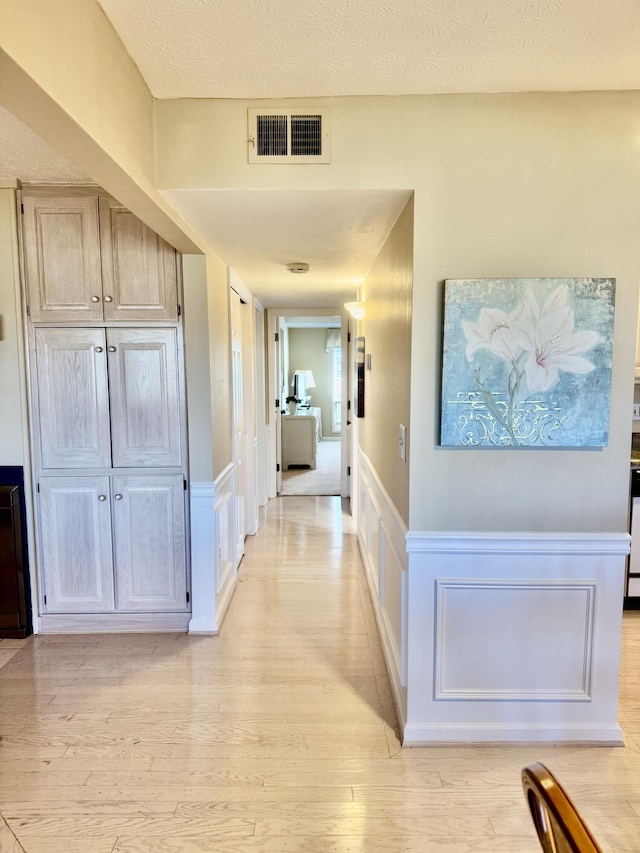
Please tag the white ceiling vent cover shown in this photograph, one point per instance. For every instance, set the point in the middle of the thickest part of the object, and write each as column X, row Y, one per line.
column 280, row 136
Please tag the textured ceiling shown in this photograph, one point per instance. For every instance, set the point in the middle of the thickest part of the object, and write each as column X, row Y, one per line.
column 337, row 232
column 299, row 48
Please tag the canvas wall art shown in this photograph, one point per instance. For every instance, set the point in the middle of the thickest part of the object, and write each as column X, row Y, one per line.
column 527, row 362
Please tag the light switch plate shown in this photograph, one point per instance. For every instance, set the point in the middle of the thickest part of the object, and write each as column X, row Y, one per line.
column 636, row 411
column 402, row 442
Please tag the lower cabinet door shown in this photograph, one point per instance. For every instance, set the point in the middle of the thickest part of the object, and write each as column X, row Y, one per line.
column 75, row 523
column 149, row 536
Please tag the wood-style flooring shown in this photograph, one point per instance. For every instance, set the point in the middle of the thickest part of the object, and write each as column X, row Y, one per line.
column 277, row 736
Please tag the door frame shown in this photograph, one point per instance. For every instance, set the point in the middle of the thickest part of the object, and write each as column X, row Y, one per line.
column 274, row 318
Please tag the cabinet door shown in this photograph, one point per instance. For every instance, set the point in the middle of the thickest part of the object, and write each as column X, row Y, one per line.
column 62, row 259
column 138, row 268
column 149, row 535
column 71, row 368
column 145, row 398
column 75, row 519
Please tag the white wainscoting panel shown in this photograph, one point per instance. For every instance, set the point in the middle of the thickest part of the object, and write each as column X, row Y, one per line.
column 477, row 658
column 213, row 571
column 514, row 637
column 381, row 538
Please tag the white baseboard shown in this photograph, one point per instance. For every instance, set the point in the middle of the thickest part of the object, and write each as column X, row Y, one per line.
column 112, row 623
column 424, row 735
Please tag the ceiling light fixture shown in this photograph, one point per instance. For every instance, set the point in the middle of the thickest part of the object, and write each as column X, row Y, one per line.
column 356, row 309
column 298, row 267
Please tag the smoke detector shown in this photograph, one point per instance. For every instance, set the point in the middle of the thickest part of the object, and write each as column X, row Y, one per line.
column 298, row 267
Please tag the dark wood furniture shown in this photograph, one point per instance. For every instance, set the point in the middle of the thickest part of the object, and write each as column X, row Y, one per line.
column 15, row 605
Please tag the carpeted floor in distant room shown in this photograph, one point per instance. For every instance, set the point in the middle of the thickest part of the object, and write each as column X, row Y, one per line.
column 325, row 480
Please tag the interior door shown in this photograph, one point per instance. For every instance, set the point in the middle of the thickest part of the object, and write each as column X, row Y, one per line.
column 239, row 433
column 348, row 462
column 281, row 360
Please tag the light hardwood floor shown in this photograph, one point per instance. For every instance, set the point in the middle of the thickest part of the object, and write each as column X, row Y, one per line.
column 277, row 736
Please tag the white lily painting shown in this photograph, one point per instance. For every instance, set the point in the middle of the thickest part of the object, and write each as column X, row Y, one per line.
column 527, row 362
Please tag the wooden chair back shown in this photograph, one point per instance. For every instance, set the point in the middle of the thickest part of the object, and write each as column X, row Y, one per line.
column 557, row 821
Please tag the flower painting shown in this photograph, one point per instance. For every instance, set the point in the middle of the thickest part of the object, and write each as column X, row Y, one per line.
column 527, row 362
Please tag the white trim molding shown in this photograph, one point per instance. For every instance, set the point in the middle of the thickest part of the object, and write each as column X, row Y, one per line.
column 381, row 539
column 514, row 637
column 213, row 570
column 113, row 623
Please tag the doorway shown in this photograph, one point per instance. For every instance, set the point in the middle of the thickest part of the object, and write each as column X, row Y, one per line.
column 309, row 376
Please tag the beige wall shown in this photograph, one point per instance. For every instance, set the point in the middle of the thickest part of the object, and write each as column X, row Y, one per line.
column 307, row 351
column 12, row 451
column 387, row 294
column 206, row 330
column 198, row 367
column 220, row 359
column 505, row 186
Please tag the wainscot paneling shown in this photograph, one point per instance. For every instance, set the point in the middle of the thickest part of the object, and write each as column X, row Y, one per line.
column 213, row 570
column 381, row 538
column 514, row 637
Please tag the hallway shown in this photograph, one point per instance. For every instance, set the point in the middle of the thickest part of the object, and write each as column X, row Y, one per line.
column 278, row 736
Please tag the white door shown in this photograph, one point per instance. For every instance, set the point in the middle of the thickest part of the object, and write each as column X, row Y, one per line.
column 73, row 421
column 239, row 435
column 281, row 360
column 249, row 398
column 348, row 462
column 145, row 398
column 76, row 553
column 149, row 537
column 62, row 259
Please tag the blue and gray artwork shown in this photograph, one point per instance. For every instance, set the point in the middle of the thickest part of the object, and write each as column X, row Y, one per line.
column 527, row 362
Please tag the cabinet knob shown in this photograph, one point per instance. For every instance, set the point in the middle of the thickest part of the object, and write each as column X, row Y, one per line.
column 95, row 299
column 118, row 497
column 98, row 349
column 102, row 497
column 108, row 299
column 112, row 349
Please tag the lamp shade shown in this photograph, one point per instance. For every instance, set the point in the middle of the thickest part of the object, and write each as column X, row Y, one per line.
column 304, row 376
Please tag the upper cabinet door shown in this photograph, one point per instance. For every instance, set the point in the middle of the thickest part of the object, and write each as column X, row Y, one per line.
column 138, row 268
column 62, row 259
column 145, row 398
column 71, row 366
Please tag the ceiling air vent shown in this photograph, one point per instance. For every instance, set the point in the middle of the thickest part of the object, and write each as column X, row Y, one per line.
column 276, row 136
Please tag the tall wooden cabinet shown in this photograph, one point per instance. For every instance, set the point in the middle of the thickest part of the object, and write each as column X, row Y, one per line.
column 108, row 407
